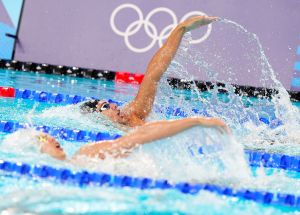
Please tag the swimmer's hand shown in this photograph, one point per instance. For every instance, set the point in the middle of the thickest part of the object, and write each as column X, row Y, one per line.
column 215, row 122
column 197, row 21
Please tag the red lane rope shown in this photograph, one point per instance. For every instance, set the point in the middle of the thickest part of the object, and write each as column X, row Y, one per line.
column 7, row 92
column 130, row 78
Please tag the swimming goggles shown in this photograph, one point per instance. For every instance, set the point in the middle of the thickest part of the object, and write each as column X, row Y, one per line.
column 104, row 106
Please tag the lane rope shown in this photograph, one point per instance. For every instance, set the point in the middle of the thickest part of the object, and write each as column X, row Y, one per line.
column 58, row 98
column 255, row 158
column 59, row 132
column 85, row 178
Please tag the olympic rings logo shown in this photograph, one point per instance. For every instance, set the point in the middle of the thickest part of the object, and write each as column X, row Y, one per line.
column 150, row 28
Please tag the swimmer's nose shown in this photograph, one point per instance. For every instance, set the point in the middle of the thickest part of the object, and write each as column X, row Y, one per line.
column 113, row 106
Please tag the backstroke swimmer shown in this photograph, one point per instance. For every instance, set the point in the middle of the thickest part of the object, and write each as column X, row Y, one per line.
column 122, row 146
column 134, row 113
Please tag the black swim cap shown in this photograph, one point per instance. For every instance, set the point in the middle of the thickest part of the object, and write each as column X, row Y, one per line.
column 89, row 106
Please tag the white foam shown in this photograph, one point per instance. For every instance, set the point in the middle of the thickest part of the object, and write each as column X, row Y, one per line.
column 177, row 159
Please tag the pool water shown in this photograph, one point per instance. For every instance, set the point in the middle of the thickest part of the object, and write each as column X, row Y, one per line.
column 168, row 159
column 22, row 195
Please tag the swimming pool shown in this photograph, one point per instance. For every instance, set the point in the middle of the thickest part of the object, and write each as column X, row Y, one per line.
column 34, row 194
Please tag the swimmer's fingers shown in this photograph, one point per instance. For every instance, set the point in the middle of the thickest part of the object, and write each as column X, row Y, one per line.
column 202, row 20
column 210, row 19
column 197, row 21
column 224, row 129
column 220, row 129
column 221, row 126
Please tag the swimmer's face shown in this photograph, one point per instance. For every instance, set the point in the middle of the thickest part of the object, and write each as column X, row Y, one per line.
column 52, row 147
column 111, row 111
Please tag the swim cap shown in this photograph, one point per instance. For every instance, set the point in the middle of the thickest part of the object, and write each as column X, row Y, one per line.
column 23, row 141
column 89, row 106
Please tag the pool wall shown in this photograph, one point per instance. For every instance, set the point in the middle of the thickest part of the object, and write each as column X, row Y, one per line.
column 52, row 32
column 133, row 78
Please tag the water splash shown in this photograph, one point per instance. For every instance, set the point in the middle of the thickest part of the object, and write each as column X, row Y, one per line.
column 180, row 160
column 214, row 63
column 165, row 159
column 284, row 110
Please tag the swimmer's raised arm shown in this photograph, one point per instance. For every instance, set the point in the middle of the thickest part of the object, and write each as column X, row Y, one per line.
column 147, row 133
column 142, row 104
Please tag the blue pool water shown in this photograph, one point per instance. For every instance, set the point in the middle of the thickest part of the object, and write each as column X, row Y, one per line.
column 167, row 159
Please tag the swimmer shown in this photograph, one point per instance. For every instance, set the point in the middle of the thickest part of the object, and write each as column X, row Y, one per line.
column 134, row 113
column 122, row 146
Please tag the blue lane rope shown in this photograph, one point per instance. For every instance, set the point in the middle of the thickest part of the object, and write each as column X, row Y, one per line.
column 59, row 132
column 255, row 158
column 58, row 98
column 272, row 160
column 85, row 178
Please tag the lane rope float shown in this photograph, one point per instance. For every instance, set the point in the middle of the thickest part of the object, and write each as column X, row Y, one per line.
column 255, row 158
column 58, row 98
column 85, row 178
